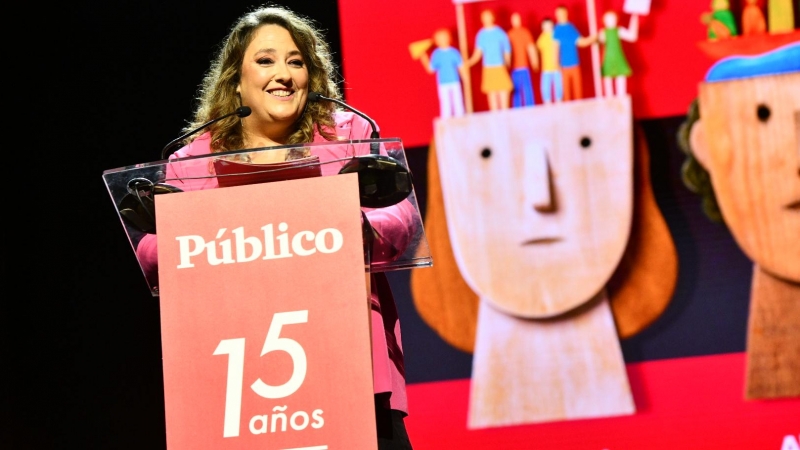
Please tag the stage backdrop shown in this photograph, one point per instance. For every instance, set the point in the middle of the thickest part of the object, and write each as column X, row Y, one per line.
column 680, row 302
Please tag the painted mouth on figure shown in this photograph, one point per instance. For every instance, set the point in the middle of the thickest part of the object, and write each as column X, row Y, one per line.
column 542, row 240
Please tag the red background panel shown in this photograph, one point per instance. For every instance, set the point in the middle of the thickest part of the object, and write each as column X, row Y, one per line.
column 683, row 403
column 383, row 80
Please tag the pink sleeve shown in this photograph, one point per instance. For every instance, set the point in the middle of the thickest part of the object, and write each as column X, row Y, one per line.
column 394, row 225
column 394, row 228
column 147, row 253
column 147, row 249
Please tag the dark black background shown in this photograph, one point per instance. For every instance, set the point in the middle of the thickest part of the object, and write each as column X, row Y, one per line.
column 108, row 85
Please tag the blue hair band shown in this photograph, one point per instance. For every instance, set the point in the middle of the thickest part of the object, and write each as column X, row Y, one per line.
column 783, row 59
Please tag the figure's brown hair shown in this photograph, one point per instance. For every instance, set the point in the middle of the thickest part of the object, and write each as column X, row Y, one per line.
column 694, row 175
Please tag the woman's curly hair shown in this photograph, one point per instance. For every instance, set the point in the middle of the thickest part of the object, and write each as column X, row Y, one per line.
column 694, row 175
column 217, row 94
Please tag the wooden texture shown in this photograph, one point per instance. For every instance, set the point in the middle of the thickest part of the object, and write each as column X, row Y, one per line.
column 526, row 262
column 441, row 296
column 747, row 139
column 642, row 286
column 531, row 371
column 639, row 290
column 753, row 165
column 773, row 338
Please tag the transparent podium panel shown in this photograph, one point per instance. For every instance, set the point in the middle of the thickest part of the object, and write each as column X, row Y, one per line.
column 385, row 190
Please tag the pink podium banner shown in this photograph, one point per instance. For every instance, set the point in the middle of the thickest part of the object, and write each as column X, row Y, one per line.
column 265, row 318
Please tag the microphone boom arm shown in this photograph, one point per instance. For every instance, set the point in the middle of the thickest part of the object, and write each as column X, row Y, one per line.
column 374, row 147
column 242, row 111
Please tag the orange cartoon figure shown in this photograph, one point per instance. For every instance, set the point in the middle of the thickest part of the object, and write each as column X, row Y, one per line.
column 753, row 21
column 524, row 57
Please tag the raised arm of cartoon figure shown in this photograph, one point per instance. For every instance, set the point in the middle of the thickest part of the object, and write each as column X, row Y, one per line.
column 615, row 68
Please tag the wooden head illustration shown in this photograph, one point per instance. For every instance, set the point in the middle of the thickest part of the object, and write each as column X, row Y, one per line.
column 742, row 139
column 539, row 205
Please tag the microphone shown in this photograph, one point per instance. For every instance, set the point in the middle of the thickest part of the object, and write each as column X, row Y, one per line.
column 242, row 111
column 382, row 180
column 374, row 148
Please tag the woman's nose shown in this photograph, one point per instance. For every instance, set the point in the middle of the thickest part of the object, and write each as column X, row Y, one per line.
column 282, row 72
column 538, row 183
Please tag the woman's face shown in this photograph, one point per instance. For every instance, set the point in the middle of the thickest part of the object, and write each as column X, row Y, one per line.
column 274, row 84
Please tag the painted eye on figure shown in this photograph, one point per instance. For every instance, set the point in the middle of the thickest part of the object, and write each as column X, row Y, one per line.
column 586, row 142
column 486, row 152
column 763, row 112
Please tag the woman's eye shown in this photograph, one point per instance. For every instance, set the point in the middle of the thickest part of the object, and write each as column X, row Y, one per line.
column 297, row 63
column 265, row 61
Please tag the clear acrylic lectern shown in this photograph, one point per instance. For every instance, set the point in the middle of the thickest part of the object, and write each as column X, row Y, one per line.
column 384, row 180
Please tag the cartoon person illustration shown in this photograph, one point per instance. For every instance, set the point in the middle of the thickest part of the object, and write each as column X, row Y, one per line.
column 781, row 16
column 524, row 57
column 720, row 21
column 615, row 68
column 551, row 82
column 569, row 40
column 493, row 48
column 753, row 21
column 741, row 140
column 446, row 62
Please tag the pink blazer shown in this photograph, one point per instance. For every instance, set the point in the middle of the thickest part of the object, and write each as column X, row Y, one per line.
column 393, row 224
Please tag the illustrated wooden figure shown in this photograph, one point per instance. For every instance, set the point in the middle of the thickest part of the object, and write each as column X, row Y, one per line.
column 744, row 136
column 753, row 21
column 615, row 68
column 538, row 250
column 493, row 50
column 720, row 20
column 551, row 83
column 781, row 16
column 524, row 58
column 534, row 276
column 639, row 290
column 445, row 61
column 569, row 40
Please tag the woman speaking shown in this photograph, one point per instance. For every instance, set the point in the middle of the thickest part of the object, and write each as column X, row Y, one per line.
column 270, row 61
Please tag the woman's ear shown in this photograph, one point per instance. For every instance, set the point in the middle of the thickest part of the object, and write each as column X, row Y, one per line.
column 697, row 141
